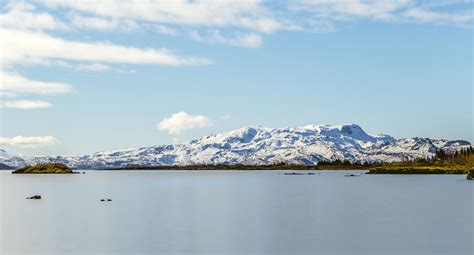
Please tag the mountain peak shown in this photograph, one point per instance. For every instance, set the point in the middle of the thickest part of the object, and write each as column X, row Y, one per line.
column 351, row 129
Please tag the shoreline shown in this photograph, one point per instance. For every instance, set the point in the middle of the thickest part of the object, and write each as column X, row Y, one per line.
column 388, row 168
column 372, row 169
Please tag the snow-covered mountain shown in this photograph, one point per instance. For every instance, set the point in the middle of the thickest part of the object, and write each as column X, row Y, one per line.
column 260, row 145
column 12, row 160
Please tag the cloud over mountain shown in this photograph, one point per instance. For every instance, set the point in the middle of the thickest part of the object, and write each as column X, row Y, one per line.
column 181, row 121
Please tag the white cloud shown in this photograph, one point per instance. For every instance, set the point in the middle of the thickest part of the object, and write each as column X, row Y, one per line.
column 428, row 16
column 93, row 22
column 21, row 15
column 26, row 104
column 93, row 67
column 231, row 13
column 29, row 141
column 214, row 36
column 28, row 45
column 18, row 5
column 182, row 121
column 99, row 23
column 20, row 46
column 14, row 83
column 166, row 30
column 350, row 9
column 8, row 94
column 385, row 10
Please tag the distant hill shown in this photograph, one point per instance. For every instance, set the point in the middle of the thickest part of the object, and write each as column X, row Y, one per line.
column 305, row 145
column 5, row 167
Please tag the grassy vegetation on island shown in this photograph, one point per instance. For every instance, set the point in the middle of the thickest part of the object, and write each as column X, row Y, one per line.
column 53, row 168
column 417, row 169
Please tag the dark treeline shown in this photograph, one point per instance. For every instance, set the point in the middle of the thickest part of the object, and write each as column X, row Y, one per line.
column 336, row 162
column 443, row 162
column 278, row 166
column 451, row 157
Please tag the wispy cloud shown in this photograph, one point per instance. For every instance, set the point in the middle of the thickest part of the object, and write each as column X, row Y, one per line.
column 179, row 122
column 428, row 16
column 35, row 32
column 250, row 40
column 99, row 23
column 205, row 20
column 29, row 141
column 384, row 11
column 27, row 47
column 23, row 45
column 14, row 83
column 350, row 9
column 25, row 104
column 233, row 13
column 22, row 15
column 166, row 30
column 27, row 39
column 94, row 67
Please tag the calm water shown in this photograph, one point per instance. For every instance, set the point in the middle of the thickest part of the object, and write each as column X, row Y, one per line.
column 230, row 212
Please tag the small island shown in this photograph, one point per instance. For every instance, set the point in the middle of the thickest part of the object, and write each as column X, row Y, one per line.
column 417, row 169
column 53, row 168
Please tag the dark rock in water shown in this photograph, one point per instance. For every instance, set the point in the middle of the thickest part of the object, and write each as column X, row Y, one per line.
column 470, row 175
column 34, row 197
column 102, row 200
column 83, row 172
column 109, row 199
column 352, row 175
column 293, row 173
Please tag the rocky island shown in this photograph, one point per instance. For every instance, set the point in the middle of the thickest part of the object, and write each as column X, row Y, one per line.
column 53, row 168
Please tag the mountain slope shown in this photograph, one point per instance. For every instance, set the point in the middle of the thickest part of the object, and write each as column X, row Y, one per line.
column 12, row 161
column 259, row 145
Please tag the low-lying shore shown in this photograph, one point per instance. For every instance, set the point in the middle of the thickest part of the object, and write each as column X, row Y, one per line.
column 373, row 169
column 394, row 168
column 460, row 165
column 416, row 170
column 423, row 170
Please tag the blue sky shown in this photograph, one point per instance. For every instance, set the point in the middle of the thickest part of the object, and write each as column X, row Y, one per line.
column 79, row 77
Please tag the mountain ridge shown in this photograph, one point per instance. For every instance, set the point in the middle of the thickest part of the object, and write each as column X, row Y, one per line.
column 306, row 145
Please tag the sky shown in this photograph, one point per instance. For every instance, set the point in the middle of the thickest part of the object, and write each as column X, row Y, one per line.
column 84, row 76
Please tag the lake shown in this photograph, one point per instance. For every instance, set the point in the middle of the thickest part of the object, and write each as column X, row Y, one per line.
column 235, row 212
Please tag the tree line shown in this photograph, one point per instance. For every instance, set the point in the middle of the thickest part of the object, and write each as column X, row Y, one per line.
column 453, row 156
